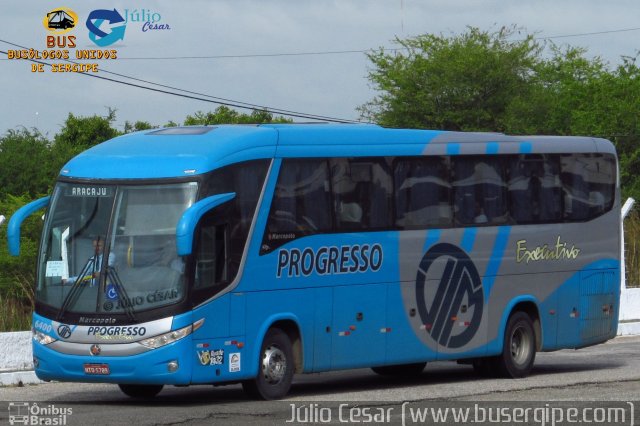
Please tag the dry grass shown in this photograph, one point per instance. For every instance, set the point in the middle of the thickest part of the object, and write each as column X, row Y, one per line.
column 17, row 306
column 632, row 249
column 15, row 314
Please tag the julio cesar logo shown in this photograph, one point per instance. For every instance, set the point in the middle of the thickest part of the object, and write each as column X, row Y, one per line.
column 60, row 20
column 451, row 315
column 104, row 19
column 557, row 251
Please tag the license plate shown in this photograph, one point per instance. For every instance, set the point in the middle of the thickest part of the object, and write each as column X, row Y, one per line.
column 97, row 369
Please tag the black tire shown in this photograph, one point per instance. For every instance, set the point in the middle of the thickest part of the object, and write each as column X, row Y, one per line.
column 519, row 347
column 141, row 391
column 275, row 368
column 404, row 370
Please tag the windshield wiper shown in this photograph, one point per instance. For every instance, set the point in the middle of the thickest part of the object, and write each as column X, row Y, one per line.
column 76, row 289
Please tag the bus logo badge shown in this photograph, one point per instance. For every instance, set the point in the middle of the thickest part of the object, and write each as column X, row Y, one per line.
column 64, row 331
column 451, row 312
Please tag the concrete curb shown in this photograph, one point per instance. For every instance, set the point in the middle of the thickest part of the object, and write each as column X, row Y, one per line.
column 19, row 378
column 15, row 348
column 631, row 328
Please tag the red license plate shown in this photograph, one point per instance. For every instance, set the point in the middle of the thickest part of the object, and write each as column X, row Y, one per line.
column 99, row 369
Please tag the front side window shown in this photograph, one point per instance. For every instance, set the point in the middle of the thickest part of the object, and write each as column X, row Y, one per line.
column 112, row 249
column 301, row 202
column 223, row 232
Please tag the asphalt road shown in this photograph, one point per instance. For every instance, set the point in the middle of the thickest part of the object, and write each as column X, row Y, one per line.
column 603, row 375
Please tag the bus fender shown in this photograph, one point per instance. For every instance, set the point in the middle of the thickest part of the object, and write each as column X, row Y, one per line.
column 495, row 346
column 254, row 353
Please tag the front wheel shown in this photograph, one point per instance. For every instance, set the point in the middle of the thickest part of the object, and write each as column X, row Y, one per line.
column 519, row 348
column 275, row 368
column 141, row 391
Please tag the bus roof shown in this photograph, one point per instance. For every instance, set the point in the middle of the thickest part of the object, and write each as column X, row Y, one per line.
column 184, row 151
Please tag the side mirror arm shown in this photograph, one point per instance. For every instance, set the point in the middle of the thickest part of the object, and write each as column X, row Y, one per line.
column 13, row 229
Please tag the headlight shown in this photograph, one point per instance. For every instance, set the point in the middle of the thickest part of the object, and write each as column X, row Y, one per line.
column 43, row 339
column 172, row 336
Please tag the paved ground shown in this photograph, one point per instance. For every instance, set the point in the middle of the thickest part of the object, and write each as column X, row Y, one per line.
column 605, row 374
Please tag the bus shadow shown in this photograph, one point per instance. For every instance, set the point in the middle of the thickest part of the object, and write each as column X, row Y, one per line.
column 329, row 383
column 442, row 374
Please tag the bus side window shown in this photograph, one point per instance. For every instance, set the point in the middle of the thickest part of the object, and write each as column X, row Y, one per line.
column 301, row 203
column 362, row 193
column 479, row 191
column 576, row 190
column 422, row 193
column 550, row 195
column 534, row 189
column 589, row 184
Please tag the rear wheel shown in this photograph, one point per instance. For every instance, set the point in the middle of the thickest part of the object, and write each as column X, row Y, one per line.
column 275, row 367
column 400, row 370
column 141, row 391
column 519, row 348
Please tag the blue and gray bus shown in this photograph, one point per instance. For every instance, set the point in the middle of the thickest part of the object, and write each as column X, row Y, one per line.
column 246, row 254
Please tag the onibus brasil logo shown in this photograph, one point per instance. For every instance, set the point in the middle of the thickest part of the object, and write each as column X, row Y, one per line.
column 26, row 413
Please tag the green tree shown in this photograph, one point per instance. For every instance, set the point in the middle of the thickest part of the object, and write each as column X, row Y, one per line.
column 137, row 126
column 463, row 82
column 226, row 115
column 79, row 134
column 24, row 163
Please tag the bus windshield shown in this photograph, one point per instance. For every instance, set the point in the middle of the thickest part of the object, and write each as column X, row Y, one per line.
column 112, row 249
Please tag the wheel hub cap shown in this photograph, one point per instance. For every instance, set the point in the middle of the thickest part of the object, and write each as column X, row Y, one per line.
column 274, row 365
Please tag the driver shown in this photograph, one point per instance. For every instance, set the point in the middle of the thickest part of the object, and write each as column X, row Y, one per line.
column 94, row 265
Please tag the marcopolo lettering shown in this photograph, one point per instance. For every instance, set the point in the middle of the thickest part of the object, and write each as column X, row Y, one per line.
column 330, row 260
column 116, row 331
column 97, row 320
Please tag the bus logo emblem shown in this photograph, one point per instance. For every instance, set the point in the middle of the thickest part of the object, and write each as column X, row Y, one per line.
column 455, row 309
column 64, row 331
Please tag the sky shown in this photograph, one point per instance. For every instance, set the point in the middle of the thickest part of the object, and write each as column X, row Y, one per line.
column 331, row 85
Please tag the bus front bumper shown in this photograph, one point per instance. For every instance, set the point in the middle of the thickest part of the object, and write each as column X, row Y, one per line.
column 167, row 365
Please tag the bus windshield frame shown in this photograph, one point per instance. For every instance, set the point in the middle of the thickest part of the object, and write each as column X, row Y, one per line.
column 106, row 251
